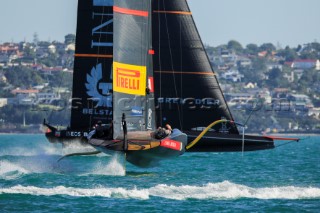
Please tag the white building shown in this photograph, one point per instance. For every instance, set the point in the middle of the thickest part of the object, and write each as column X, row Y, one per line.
column 3, row 102
column 47, row 98
column 232, row 75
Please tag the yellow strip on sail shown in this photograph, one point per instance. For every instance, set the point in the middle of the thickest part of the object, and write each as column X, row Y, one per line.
column 129, row 79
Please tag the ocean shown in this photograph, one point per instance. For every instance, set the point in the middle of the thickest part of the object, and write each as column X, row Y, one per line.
column 284, row 179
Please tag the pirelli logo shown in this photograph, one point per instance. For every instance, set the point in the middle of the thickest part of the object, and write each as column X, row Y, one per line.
column 129, row 79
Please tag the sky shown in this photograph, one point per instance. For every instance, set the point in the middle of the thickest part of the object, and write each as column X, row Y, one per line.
column 281, row 22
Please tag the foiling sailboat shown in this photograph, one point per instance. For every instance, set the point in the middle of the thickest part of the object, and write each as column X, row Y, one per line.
column 140, row 64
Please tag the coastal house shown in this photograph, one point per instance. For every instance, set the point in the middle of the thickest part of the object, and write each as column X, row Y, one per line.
column 228, row 58
column 33, row 96
column 301, row 101
column 244, row 61
column 238, row 100
column 40, row 86
column 250, row 85
column 271, row 66
column 280, row 93
column 299, row 98
column 51, row 70
column 265, row 53
column 47, row 98
column 232, row 75
column 304, row 64
column 3, row 102
column 9, row 48
column 25, row 96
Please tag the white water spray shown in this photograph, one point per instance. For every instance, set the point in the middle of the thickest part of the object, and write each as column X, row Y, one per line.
column 11, row 171
column 115, row 165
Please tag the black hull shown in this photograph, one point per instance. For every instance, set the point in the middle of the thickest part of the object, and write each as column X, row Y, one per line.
column 211, row 142
column 219, row 142
column 65, row 136
column 64, row 139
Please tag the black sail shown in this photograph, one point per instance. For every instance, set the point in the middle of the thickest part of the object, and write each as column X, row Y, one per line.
column 132, row 66
column 187, row 89
column 92, row 79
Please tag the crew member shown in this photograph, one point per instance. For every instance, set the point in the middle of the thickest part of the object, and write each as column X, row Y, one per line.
column 163, row 132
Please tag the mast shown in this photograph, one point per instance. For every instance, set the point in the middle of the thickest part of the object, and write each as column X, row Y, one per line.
column 187, row 90
column 92, row 78
column 132, row 66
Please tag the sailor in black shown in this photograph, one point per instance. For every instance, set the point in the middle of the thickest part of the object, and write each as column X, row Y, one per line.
column 163, row 132
column 101, row 131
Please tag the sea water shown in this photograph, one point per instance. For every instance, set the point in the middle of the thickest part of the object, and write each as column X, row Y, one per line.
column 284, row 179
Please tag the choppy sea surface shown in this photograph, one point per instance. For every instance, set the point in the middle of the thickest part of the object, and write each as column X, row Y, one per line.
column 285, row 179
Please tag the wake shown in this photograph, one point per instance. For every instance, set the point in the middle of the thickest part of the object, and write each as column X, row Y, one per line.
column 37, row 164
column 211, row 191
column 44, row 149
column 11, row 171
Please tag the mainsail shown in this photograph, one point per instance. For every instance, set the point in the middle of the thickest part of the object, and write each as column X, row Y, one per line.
column 132, row 69
column 92, row 79
column 190, row 96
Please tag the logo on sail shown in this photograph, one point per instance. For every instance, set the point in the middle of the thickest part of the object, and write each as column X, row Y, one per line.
column 97, row 89
column 136, row 111
column 129, row 79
